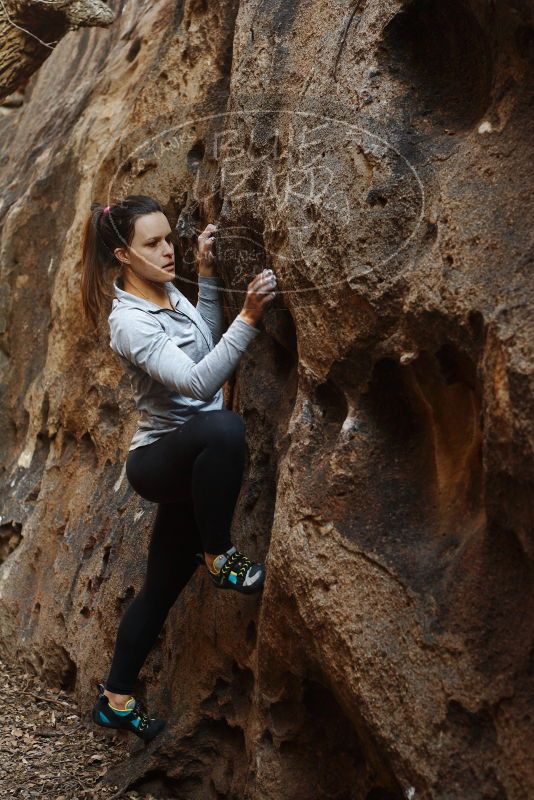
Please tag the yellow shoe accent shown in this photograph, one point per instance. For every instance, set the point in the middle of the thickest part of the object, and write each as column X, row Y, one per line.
column 121, row 709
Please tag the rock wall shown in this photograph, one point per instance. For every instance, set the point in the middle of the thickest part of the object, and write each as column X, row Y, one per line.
column 24, row 22
column 378, row 155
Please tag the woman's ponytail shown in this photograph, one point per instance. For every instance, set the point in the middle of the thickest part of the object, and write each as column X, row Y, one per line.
column 106, row 228
column 96, row 260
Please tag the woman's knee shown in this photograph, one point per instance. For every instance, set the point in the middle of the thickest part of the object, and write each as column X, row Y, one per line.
column 132, row 474
column 227, row 428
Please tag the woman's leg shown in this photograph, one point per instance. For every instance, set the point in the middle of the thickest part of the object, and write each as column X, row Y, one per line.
column 216, row 482
column 205, row 458
column 171, row 563
column 194, row 473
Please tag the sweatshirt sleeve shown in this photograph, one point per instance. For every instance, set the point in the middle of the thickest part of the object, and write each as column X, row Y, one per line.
column 209, row 304
column 142, row 341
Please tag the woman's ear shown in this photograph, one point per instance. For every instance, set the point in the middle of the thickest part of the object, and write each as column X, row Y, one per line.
column 121, row 255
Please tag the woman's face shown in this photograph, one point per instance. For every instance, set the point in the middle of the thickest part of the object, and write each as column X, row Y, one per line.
column 150, row 255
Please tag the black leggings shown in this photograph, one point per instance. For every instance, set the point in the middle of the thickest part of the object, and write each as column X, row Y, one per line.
column 194, row 473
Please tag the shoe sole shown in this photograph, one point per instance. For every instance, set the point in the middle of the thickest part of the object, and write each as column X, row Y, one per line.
column 122, row 733
column 111, row 731
column 244, row 590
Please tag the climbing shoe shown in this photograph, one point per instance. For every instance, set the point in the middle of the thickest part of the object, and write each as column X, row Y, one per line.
column 233, row 570
column 134, row 718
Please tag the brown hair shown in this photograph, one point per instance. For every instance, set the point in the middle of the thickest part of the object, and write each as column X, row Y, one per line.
column 105, row 229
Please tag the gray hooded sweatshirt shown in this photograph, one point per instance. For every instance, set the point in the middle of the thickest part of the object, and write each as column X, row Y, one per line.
column 177, row 360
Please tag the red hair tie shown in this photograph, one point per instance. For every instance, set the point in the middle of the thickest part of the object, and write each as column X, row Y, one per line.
column 106, row 210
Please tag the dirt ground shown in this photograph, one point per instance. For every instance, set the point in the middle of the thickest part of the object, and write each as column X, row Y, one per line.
column 46, row 751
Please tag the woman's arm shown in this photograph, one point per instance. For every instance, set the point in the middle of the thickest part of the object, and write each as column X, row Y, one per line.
column 140, row 339
column 209, row 304
column 209, row 296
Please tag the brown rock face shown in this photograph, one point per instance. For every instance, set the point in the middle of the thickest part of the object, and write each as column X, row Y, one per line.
column 23, row 23
column 378, row 156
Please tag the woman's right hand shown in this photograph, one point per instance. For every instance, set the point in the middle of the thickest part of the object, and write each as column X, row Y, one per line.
column 260, row 292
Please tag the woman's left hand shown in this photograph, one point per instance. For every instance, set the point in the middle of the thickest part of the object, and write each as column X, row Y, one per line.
column 206, row 256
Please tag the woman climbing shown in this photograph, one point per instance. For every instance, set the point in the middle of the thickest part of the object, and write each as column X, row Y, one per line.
column 188, row 452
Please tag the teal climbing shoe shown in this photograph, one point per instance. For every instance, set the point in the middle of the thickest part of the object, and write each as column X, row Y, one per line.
column 233, row 570
column 134, row 718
